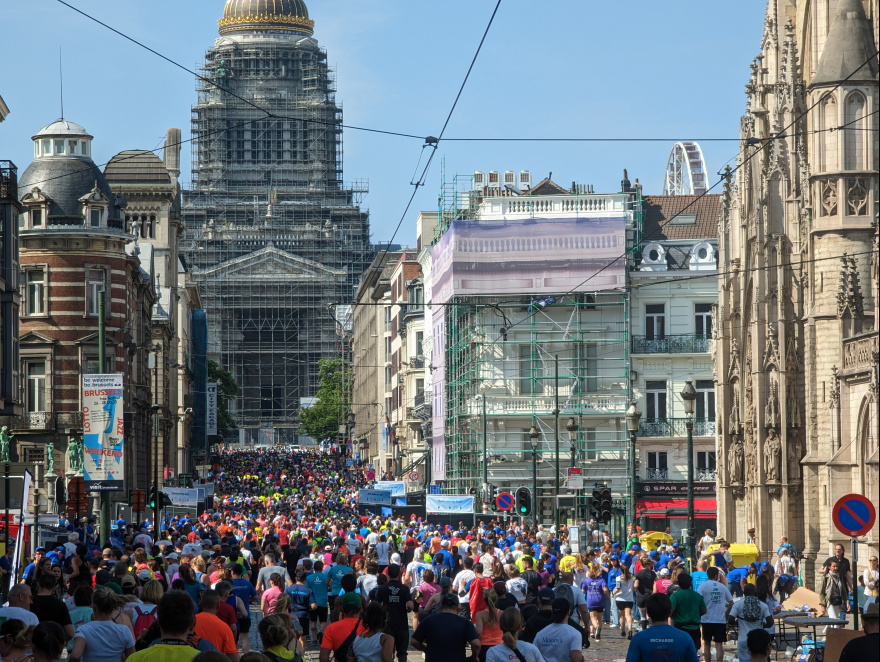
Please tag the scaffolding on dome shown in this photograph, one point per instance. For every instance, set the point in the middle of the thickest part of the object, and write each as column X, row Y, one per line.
column 273, row 235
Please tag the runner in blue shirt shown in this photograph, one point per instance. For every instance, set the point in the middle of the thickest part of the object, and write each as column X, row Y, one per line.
column 317, row 581
column 302, row 603
column 244, row 590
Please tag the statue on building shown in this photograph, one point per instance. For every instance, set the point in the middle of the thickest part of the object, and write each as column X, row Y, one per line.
column 50, row 458
column 74, row 455
column 751, row 457
column 5, row 438
column 772, row 448
column 771, row 411
column 734, row 422
column 795, row 453
column 735, row 460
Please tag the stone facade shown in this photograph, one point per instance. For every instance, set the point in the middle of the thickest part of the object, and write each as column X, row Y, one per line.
column 798, row 316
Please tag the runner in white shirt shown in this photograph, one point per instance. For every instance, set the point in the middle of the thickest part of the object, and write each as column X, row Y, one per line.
column 383, row 551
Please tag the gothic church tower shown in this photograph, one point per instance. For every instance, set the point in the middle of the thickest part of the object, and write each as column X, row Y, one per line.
column 796, row 347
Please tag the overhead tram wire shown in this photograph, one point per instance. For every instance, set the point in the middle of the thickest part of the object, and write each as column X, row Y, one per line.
column 435, row 142
column 268, row 114
column 750, row 142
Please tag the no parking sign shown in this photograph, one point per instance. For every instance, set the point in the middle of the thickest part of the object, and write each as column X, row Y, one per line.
column 854, row 515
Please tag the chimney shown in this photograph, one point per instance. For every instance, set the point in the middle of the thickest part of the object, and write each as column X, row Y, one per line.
column 171, row 152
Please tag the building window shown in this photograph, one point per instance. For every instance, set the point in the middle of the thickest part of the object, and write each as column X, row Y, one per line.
column 655, row 321
column 35, row 376
column 46, row 149
column 531, row 371
column 828, row 160
column 420, row 340
column 95, row 218
column 92, row 366
column 705, row 399
column 35, row 292
column 703, row 319
column 590, row 443
column 655, row 396
column 95, row 286
column 36, row 218
column 71, row 146
column 388, row 373
column 35, row 455
column 657, row 465
column 59, row 146
column 420, row 388
column 706, row 460
column 588, row 380
column 854, row 133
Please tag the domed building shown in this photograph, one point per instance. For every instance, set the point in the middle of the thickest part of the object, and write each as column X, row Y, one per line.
column 273, row 235
column 74, row 251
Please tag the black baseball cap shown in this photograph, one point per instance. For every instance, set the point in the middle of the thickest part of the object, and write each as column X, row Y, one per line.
column 449, row 600
column 546, row 596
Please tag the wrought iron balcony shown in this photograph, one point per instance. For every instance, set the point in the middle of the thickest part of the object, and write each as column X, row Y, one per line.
column 676, row 427
column 656, row 474
column 680, row 344
column 705, row 474
column 32, row 421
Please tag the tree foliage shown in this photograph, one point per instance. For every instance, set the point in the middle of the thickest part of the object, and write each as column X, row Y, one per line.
column 322, row 419
column 227, row 390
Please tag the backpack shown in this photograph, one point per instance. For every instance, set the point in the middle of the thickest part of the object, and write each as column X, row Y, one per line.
column 566, row 592
column 751, row 610
column 144, row 621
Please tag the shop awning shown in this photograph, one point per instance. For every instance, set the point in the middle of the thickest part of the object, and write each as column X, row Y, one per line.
column 703, row 508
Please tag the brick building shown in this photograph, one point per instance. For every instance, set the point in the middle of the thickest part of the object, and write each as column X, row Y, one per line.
column 74, row 249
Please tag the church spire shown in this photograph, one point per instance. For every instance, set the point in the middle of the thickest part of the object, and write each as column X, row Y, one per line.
column 850, row 42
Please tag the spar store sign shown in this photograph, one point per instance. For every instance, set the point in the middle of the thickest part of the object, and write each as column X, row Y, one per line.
column 103, row 431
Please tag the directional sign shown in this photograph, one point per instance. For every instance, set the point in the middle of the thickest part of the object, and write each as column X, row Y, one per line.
column 853, row 515
column 504, row 501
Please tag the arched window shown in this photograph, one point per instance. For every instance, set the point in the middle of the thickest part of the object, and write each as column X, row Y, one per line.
column 854, row 132
column 152, row 226
column 828, row 118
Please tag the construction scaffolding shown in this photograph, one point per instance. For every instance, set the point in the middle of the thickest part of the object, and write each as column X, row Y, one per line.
column 273, row 236
column 527, row 359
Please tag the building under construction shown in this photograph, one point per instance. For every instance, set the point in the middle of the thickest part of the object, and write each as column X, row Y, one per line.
column 273, row 237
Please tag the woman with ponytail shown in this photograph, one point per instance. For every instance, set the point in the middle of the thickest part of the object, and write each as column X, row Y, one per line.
column 486, row 623
column 510, row 647
column 15, row 640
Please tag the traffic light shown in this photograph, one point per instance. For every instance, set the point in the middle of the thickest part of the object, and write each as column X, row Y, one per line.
column 523, row 499
column 151, row 496
column 164, row 500
column 493, row 494
column 596, row 505
column 605, row 513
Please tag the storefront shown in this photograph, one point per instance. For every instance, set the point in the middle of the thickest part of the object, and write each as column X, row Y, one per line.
column 663, row 505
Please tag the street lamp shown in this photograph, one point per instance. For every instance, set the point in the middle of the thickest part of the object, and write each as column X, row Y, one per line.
column 533, row 441
column 689, row 395
column 633, row 419
column 572, row 428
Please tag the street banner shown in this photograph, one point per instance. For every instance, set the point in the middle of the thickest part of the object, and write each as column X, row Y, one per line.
column 374, row 497
column 211, row 414
column 103, row 432
column 441, row 503
column 184, row 498
column 19, row 536
column 396, row 487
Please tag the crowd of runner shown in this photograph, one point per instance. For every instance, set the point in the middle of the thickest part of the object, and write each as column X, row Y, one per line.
column 286, row 553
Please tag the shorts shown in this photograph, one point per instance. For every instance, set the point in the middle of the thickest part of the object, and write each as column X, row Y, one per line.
column 693, row 633
column 304, row 623
column 716, row 632
column 624, row 605
column 244, row 625
column 319, row 614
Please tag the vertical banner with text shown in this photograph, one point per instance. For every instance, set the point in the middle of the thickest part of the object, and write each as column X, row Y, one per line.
column 211, row 414
column 103, row 432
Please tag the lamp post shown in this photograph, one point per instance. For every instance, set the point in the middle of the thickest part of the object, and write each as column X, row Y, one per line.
column 689, row 395
column 533, row 441
column 572, row 428
column 485, row 456
column 633, row 418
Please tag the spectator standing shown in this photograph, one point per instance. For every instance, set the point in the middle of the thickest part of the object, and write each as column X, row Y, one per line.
column 867, row 647
column 833, row 593
column 660, row 641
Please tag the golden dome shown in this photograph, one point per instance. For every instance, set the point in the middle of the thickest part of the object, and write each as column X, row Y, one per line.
column 290, row 15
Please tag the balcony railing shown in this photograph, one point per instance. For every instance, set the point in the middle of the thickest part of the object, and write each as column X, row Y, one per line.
column 705, row 474
column 542, row 405
column 858, row 352
column 684, row 344
column 419, row 399
column 32, row 421
column 676, row 427
column 656, row 474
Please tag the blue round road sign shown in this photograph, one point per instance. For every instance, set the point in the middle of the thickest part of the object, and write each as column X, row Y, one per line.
column 854, row 515
column 504, row 501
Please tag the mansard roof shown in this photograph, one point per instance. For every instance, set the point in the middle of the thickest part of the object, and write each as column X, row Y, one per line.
column 661, row 213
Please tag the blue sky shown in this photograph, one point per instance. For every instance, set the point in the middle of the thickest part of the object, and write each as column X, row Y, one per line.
column 553, row 68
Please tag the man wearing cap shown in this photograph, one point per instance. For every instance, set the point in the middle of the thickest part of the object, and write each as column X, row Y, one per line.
column 443, row 637
column 558, row 641
column 337, row 636
column 867, row 647
column 31, row 569
column 536, row 620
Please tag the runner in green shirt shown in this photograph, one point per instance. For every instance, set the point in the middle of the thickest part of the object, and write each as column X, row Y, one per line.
column 687, row 608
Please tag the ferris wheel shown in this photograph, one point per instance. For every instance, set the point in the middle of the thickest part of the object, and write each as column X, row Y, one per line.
column 685, row 170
